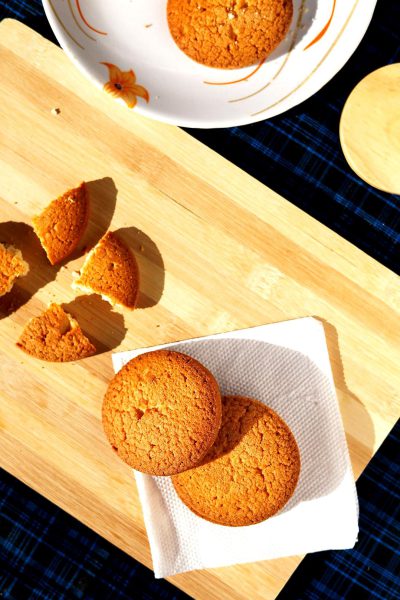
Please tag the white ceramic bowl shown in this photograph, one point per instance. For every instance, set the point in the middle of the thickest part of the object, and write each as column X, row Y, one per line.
column 151, row 74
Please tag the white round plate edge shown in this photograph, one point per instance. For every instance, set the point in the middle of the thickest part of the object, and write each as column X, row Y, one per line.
column 284, row 105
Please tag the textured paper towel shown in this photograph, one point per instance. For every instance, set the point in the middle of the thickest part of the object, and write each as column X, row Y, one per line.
column 286, row 365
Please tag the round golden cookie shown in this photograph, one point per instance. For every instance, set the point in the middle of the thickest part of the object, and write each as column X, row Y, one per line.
column 229, row 34
column 250, row 472
column 162, row 412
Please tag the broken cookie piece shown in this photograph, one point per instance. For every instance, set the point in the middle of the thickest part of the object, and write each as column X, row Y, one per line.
column 55, row 336
column 62, row 224
column 12, row 266
column 110, row 270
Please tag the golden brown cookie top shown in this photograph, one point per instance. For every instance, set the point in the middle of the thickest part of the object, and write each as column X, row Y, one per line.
column 12, row 266
column 229, row 34
column 55, row 336
column 162, row 412
column 62, row 224
column 250, row 472
column 111, row 270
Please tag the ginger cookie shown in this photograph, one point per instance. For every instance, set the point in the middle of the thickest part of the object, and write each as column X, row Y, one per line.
column 229, row 34
column 55, row 336
column 250, row 472
column 62, row 224
column 162, row 412
column 110, row 270
column 12, row 266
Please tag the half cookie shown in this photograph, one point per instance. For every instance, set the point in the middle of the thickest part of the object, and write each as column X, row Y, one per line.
column 62, row 224
column 162, row 412
column 110, row 270
column 12, row 266
column 229, row 34
column 56, row 337
column 250, row 472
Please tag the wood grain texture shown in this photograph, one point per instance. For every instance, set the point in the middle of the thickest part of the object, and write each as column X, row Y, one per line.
column 217, row 251
column 370, row 129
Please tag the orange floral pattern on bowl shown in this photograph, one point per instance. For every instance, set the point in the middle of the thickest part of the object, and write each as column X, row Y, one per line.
column 122, row 84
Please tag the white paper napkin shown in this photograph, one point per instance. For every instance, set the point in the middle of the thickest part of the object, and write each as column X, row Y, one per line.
column 286, row 365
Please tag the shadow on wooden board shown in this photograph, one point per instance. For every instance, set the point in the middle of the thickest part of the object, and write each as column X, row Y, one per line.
column 151, row 265
column 103, row 325
column 103, row 195
column 361, row 420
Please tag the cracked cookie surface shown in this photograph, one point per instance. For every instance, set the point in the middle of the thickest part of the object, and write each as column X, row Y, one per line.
column 229, row 34
column 250, row 472
column 162, row 412
column 110, row 269
column 12, row 266
column 55, row 336
column 62, row 224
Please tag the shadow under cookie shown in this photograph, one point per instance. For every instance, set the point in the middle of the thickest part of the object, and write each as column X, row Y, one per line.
column 104, row 326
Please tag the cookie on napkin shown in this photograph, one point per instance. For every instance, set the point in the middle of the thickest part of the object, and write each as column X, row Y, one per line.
column 162, row 412
column 250, row 472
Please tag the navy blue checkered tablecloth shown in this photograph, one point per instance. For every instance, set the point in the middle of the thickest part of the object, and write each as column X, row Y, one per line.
column 47, row 554
column 44, row 553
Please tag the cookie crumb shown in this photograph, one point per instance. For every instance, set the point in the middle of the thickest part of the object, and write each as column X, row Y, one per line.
column 55, row 111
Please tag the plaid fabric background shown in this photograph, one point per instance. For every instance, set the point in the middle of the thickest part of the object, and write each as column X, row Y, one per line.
column 47, row 554
column 298, row 153
column 372, row 568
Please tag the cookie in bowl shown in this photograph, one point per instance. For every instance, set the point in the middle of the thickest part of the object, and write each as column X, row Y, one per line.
column 229, row 34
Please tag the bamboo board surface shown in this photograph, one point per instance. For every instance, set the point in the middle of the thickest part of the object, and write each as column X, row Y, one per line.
column 217, row 251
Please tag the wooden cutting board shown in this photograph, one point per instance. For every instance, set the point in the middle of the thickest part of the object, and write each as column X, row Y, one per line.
column 217, row 251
